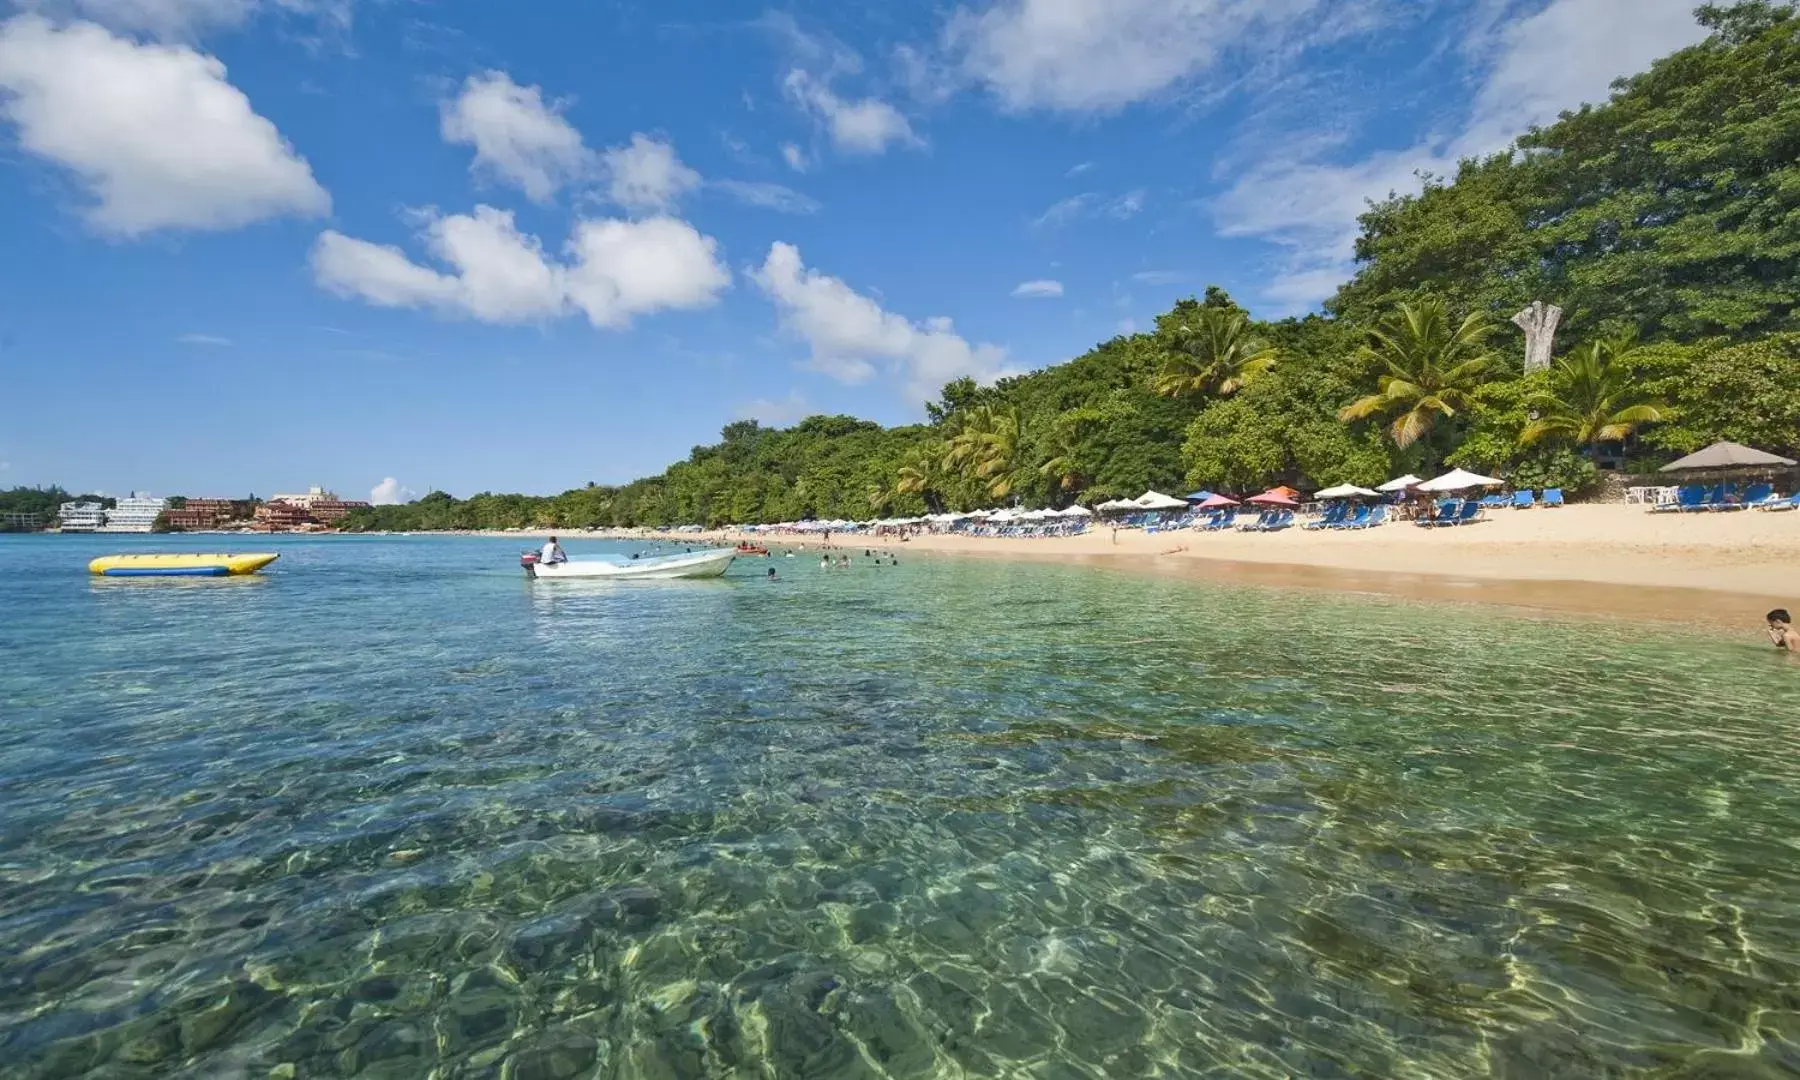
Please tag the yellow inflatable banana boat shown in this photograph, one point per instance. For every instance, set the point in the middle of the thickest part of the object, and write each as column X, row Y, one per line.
column 170, row 565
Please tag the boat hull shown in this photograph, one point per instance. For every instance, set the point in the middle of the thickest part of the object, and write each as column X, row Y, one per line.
column 212, row 564
column 698, row 564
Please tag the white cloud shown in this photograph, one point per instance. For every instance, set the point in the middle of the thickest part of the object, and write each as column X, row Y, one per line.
column 203, row 339
column 1095, row 55
column 1077, row 170
column 163, row 18
column 777, row 197
column 185, row 19
column 788, row 410
column 615, row 269
column 1089, row 204
column 1042, row 289
column 517, row 136
column 620, row 269
column 1159, row 277
column 848, row 332
column 794, row 156
column 645, row 174
column 391, row 492
column 156, row 133
column 1568, row 53
column 867, row 126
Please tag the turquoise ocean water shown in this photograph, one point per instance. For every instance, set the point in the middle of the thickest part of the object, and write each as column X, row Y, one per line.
column 390, row 810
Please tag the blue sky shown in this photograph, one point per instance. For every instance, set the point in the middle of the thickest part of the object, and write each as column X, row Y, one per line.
column 252, row 245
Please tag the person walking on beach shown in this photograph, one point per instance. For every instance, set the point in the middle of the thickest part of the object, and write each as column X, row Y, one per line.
column 1782, row 632
column 553, row 552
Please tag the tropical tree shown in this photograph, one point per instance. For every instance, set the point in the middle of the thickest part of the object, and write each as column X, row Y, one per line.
column 1070, row 430
column 1594, row 398
column 1212, row 353
column 1430, row 370
column 986, row 448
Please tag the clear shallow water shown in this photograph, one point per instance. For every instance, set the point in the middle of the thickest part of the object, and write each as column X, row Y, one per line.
column 391, row 809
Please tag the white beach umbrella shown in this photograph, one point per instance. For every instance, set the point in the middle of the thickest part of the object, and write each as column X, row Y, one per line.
column 1156, row 500
column 1400, row 483
column 1077, row 511
column 1459, row 480
column 1345, row 491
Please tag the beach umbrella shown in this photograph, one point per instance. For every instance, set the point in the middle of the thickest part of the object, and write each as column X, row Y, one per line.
column 1459, row 480
column 1346, row 491
column 1117, row 504
column 1198, row 496
column 1400, row 483
column 1156, row 500
column 1291, row 493
column 1214, row 502
column 1726, row 455
column 1272, row 497
column 1077, row 511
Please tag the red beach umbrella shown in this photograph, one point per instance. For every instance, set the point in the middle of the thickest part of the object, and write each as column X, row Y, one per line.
column 1213, row 502
column 1273, row 497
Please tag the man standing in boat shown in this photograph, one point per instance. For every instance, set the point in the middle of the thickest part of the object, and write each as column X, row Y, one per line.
column 553, row 552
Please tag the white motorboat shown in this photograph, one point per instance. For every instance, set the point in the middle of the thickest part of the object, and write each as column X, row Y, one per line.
column 693, row 564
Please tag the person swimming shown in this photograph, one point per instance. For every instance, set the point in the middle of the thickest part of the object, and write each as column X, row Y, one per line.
column 1781, row 631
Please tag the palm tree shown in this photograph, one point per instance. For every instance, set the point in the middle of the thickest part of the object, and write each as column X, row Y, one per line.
column 986, row 448
column 919, row 473
column 1213, row 354
column 1431, row 369
column 1070, row 429
column 1594, row 399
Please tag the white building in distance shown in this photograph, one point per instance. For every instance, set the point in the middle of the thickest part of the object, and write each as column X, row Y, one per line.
column 134, row 515
column 81, row 517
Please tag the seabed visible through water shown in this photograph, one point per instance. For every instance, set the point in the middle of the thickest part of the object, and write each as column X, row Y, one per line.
column 392, row 811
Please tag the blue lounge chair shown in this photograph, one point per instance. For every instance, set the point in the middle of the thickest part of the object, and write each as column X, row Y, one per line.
column 1757, row 494
column 1224, row 520
column 1790, row 502
column 1356, row 520
column 1446, row 515
column 1522, row 500
column 1282, row 520
column 1262, row 522
column 1553, row 497
column 1470, row 511
column 1495, row 502
column 1378, row 516
column 1333, row 515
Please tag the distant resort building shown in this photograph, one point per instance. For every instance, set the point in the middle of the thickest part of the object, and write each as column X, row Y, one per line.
column 81, row 517
column 316, row 508
column 16, row 522
column 197, row 514
column 134, row 514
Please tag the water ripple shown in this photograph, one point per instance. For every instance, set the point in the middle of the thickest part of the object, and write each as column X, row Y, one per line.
column 392, row 810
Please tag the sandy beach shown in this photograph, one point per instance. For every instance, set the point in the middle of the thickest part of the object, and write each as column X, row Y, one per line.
column 1619, row 560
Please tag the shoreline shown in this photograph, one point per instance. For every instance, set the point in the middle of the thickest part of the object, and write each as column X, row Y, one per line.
column 1613, row 561
column 1716, row 569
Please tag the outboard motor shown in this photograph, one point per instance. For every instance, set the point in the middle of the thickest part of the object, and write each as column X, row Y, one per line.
column 529, row 561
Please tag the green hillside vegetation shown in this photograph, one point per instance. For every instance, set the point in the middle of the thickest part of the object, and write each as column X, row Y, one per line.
column 1666, row 222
